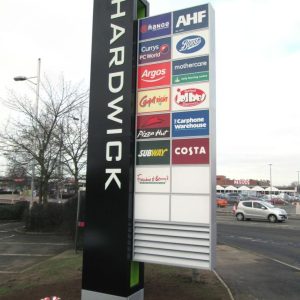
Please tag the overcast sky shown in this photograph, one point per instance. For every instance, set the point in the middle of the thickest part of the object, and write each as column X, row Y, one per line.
column 258, row 63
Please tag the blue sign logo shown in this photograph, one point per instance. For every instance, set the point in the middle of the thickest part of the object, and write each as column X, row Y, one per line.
column 190, row 18
column 155, row 50
column 190, row 44
column 155, row 26
column 192, row 123
column 191, row 65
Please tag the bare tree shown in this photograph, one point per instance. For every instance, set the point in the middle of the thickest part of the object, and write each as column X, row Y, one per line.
column 74, row 136
column 38, row 134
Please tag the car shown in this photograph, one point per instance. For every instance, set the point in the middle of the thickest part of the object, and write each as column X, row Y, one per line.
column 232, row 198
column 221, row 202
column 262, row 210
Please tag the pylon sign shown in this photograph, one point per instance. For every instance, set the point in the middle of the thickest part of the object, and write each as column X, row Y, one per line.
column 175, row 163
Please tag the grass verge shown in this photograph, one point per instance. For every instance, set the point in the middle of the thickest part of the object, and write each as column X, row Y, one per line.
column 63, row 267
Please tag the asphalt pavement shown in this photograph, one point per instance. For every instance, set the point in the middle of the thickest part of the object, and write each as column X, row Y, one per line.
column 259, row 260
column 19, row 251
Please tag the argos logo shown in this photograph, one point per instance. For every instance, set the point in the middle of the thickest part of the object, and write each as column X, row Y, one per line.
column 189, row 97
column 154, row 75
column 190, row 44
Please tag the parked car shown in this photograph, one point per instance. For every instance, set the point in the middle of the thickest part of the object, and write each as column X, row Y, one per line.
column 221, row 202
column 259, row 210
column 232, row 198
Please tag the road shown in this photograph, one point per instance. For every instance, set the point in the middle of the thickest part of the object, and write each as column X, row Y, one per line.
column 260, row 260
column 19, row 251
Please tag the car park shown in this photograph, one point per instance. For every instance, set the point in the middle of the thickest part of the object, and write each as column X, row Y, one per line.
column 261, row 210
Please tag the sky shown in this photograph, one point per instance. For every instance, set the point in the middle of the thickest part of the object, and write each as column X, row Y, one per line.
column 257, row 67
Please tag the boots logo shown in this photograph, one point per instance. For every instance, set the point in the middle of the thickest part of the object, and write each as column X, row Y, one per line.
column 190, row 44
column 189, row 97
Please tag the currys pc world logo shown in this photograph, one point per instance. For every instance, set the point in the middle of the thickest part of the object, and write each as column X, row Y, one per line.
column 155, row 26
column 154, row 75
column 190, row 44
column 156, row 50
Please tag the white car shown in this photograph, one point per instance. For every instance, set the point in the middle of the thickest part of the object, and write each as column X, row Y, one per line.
column 259, row 210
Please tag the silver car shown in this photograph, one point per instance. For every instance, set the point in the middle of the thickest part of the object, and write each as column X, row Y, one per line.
column 259, row 210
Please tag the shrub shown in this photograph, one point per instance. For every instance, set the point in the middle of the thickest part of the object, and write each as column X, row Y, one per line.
column 13, row 211
column 52, row 217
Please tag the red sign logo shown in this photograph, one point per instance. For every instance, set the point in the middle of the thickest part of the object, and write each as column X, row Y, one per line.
column 189, row 97
column 190, row 151
column 154, row 75
column 153, row 121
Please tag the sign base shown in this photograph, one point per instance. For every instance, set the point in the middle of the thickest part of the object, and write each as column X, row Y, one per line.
column 90, row 295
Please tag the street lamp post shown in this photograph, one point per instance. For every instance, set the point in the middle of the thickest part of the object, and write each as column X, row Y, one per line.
column 37, row 91
column 270, row 182
column 298, row 182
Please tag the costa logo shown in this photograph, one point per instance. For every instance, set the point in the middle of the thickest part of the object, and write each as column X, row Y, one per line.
column 190, row 44
column 154, row 75
column 190, row 151
column 189, row 97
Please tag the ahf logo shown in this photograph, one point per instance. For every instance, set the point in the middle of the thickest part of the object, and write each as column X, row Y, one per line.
column 191, row 18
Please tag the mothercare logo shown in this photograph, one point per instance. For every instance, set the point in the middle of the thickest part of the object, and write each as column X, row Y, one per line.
column 154, row 75
column 190, row 18
column 153, row 51
column 151, row 153
column 190, row 151
column 190, row 70
column 153, row 100
column 155, row 26
column 194, row 123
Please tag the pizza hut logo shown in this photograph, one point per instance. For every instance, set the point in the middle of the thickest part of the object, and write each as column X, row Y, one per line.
column 190, row 44
column 190, row 97
column 152, row 121
column 153, row 75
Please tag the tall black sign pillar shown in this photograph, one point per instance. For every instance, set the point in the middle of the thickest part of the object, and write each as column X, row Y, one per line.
column 108, row 272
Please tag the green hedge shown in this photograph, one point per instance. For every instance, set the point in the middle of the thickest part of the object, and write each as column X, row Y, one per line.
column 52, row 217
column 13, row 211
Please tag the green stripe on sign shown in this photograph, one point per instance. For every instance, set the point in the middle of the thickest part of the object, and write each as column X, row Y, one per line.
column 192, row 77
column 134, row 273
